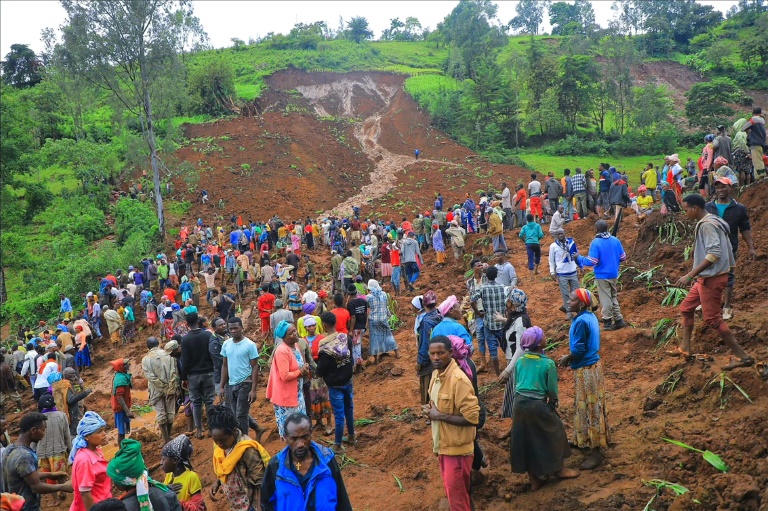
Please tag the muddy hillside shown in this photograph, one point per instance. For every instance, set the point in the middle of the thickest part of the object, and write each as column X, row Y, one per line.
column 326, row 142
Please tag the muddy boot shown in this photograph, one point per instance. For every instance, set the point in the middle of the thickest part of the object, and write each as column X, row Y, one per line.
column 617, row 325
column 495, row 364
column 608, row 325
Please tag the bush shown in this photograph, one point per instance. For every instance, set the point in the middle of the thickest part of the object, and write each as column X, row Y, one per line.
column 635, row 143
column 573, row 145
column 74, row 217
column 133, row 216
column 211, row 84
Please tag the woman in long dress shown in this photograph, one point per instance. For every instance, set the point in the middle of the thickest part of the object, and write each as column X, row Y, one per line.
column 590, row 424
column 517, row 321
column 286, row 377
column 538, row 444
column 381, row 336
column 318, row 390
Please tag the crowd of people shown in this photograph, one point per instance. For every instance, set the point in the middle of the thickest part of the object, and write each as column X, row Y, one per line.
column 315, row 329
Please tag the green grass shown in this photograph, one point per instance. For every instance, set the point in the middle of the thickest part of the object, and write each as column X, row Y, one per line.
column 633, row 165
column 428, row 84
column 55, row 177
column 195, row 119
column 254, row 63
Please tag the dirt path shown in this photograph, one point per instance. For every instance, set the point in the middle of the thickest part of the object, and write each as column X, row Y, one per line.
column 387, row 163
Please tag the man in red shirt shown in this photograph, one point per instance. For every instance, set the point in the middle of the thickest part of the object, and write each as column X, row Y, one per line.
column 394, row 257
column 521, row 203
column 342, row 314
column 266, row 305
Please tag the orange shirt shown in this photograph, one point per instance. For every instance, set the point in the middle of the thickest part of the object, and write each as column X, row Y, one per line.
column 342, row 319
column 521, row 197
column 266, row 303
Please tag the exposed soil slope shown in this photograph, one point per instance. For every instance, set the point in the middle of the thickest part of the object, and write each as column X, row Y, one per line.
column 345, row 158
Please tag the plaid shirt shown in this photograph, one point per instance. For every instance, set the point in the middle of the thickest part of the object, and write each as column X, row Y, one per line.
column 379, row 310
column 579, row 183
column 492, row 295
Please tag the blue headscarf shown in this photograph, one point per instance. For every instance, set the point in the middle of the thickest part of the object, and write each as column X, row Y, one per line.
column 90, row 423
column 282, row 329
column 54, row 377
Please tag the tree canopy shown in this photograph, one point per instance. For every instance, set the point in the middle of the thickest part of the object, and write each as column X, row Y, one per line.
column 21, row 67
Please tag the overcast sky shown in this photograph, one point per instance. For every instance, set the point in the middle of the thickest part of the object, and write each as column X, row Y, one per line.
column 21, row 21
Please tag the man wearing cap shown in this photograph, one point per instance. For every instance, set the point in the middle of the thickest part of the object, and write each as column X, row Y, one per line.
column 737, row 218
column 162, row 379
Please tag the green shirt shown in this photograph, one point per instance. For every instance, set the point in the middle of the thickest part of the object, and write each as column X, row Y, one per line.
column 162, row 271
column 536, row 376
column 531, row 233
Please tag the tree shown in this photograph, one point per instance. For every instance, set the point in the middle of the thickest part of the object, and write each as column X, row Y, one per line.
column 621, row 56
column 530, row 15
column 568, row 19
column 390, row 34
column 21, row 67
column 130, row 48
column 358, row 30
column 755, row 48
column 16, row 141
column 707, row 103
column 470, row 30
column 653, row 107
column 575, row 84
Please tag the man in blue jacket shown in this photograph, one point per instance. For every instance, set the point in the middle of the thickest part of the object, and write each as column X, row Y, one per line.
column 606, row 255
column 304, row 476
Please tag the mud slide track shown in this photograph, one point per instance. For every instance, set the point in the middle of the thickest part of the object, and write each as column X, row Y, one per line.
column 387, row 165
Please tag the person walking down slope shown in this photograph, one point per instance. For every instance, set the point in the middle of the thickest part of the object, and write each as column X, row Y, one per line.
column 606, row 255
column 411, row 259
column 531, row 234
column 712, row 260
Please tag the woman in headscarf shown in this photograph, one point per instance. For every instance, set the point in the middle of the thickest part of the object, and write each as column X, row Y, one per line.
column 538, row 444
column 286, row 376
column 742, row 158
column 676, row 175
column 185, row 289
column 591, row 422
column 318, row 390
column 293, row 294
column 438, row 245
column 129, row 473
column 168, row 319
column 52, row 449
column 461, row 353
column 179, row 316
column 90, row 483
column 179, row 476
column 517, row 321
column 722, row 170
column 301, row 327
column 382, row 340
column 83, row 355
column 238, row 461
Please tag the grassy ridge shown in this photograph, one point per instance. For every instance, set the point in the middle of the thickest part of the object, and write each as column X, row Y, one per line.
column 252, row 64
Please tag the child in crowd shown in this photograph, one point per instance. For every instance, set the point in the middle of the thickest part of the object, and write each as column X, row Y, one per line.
column 179, row 475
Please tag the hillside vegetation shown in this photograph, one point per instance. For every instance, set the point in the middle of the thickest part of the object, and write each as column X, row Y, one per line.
column 74, row 123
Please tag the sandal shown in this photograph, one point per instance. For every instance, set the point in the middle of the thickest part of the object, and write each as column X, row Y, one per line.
column 702, row 357
column 739, row 362
column 678, row 352
column 346, row 441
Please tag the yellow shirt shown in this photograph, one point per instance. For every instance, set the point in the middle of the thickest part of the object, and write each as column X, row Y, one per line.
column 644, row 202
column 434, row 397
column 650, row 179
column 301, row 329
column 190, row 484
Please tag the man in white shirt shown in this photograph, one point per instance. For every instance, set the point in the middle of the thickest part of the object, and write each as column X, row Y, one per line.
column 507, row 275
column 310, row 296
column 506, row 206
column 41, row 383
column 557, row 220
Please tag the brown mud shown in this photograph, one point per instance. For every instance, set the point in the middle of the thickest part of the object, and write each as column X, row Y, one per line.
column 649, row 395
